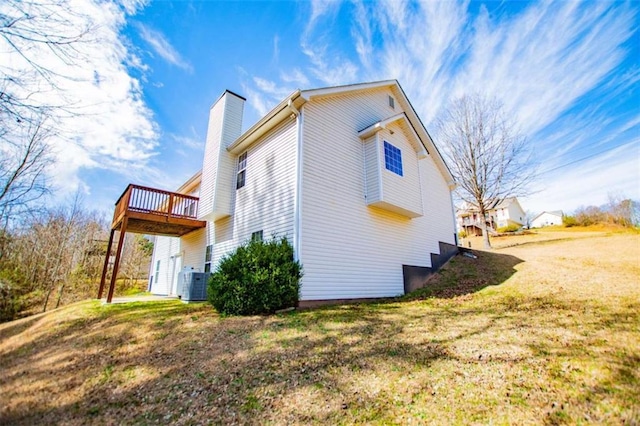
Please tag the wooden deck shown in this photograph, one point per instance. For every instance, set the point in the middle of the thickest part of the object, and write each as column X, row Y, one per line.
column 151, row 211
column 156, row 212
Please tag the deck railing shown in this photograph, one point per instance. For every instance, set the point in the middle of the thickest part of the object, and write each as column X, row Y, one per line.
column 153, row 201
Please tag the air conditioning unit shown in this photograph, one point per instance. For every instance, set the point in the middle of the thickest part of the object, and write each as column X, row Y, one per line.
column 194, row 286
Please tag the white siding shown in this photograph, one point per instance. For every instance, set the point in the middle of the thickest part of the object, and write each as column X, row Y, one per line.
column 165, row 250
column 373, row 193
column 193, row 247
column 266, row 202
column 218, row 167
column 401, row 191
column 350, row 250
column 546, row 219
column 515, row 213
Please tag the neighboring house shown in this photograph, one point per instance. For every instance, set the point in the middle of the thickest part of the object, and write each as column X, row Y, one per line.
column 499, row 215
column 348, row 174
column 547, row 219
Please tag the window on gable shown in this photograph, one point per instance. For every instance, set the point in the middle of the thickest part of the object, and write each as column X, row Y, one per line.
column 392, row 158
column 208, row 255
column 242, row 171
column 256, row 236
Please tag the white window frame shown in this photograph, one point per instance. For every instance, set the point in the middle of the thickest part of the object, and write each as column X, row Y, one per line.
column 241, row 176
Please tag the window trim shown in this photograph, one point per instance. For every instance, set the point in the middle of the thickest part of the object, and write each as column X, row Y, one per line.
column 392, row 158
column 208, row 257
column 241, row 174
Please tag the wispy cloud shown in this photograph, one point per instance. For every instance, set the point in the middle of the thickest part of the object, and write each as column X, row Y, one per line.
column 162, row 47
column 561, row 69
column 188, row 141
column 328, row 66
column 590, row 181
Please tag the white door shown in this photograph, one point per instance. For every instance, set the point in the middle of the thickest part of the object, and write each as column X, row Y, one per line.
column 175, row 274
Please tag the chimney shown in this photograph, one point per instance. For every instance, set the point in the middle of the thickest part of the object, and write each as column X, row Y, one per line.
column 219, row 166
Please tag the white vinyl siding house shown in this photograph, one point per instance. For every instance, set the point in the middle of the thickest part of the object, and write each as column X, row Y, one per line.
column 547, row 219
column 165, row 265
column 349, row 249
column 315, row 170
column 266, row 201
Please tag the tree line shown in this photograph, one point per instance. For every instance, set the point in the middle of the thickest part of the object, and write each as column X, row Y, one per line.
column 618, row 211
column 55, row 256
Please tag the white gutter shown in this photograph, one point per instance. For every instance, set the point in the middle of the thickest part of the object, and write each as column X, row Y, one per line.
column 266, row 123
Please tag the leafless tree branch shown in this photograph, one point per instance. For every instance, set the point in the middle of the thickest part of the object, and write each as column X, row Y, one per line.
column 488, row 157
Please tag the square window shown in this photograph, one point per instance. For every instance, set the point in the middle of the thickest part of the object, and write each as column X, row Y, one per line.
column 256, row 236
column 392, row 158
column 242, row 171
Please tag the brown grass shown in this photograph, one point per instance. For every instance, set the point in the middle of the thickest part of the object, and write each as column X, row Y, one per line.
column 531, row 334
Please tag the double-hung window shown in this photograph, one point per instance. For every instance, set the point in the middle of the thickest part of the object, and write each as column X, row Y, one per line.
column 242, row 170
column 392, row 158
column 208, row 255
column 256, row 236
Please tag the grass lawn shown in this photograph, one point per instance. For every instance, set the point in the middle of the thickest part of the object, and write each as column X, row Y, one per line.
column 529, row 334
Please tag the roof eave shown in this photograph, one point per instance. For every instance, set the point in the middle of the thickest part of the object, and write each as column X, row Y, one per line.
column 266, row 123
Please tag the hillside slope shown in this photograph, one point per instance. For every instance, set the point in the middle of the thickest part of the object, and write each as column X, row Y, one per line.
column 538, row 333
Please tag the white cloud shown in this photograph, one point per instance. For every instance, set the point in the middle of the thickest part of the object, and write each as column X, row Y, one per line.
column 105, row 123
column 295, row 76
column 558, row 67
column 163, row 48
column 327, row 65
column 191, row 141
column 276, row 49
column 589, row 182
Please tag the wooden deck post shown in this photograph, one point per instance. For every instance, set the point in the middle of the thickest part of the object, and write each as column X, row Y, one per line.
column 116, row 263
column 170, row 206
column 106, row 264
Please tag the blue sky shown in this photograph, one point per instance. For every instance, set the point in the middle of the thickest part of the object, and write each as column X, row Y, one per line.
column 568, row 73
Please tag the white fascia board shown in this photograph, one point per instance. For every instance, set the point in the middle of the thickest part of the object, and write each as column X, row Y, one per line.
column 382, row 124
column 326, row 91
column 419, row 127
column 266, row 123
column 190, row 184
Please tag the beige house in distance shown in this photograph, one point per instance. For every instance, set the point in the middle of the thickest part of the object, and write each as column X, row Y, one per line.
column 500, row 214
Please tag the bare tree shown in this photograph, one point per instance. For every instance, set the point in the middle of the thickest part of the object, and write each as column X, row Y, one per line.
column 136, row 258
column 40, row 42
column 36, row 37
column 23, row 165
column 488, row 157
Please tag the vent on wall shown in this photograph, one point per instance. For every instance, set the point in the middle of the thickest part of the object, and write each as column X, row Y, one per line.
column 392, row 102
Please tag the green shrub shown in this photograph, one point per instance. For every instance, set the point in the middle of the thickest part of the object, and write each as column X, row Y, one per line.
column 508, row 228
column 257, row 278
column 569, row 221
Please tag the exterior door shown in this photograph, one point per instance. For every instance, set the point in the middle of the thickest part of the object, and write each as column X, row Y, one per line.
column 175, row 274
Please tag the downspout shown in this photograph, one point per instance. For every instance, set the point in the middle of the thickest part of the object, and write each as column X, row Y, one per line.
column 298, row 190
column 455, row 218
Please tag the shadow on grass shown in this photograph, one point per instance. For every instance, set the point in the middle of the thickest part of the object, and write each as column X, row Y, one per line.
column 175, row 363
column 465, row 275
